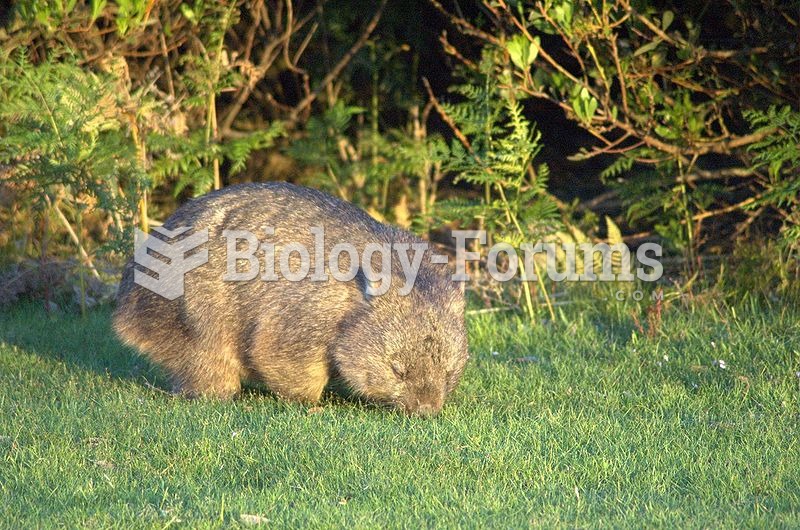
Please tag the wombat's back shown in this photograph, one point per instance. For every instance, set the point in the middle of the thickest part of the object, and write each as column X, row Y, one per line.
column 215, row 321
column 289, row 210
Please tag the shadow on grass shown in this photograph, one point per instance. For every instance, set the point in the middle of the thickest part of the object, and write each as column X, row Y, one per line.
column 82, row 342
column 88, row 343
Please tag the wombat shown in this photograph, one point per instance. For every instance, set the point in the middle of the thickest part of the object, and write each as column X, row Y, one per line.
column 295, row 336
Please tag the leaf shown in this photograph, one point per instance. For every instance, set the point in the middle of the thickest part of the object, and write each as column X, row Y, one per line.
column 576, row 106
column 591, row 107
column 188, row 13
column 665, row 132
column 614, row 233
column 533, row 49
column 519, row 51
column 402, row 215
column 650, row 46
column 666, row 19
column 97, row 8
column 578, row 235
column 584, row 105
column 563, row 13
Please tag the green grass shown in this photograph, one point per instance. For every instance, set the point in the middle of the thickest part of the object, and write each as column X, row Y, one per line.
column 578, row 425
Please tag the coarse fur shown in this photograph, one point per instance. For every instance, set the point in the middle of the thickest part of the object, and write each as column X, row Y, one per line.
column 295, row 336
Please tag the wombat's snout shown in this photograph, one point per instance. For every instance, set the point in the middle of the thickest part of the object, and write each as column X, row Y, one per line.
column 426, row 410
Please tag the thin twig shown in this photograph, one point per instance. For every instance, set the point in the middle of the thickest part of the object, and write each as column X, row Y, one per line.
column 719, row 174
column 167, row 68
column 74, row 237
column 464, row 26
column 446, row 118
column 343, row 62
column 727, row 209
column 266, row 58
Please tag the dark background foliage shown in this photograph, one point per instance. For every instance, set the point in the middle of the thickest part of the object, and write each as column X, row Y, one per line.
column 631, row 120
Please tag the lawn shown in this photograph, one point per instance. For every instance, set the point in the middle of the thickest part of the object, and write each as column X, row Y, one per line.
column 577, row 424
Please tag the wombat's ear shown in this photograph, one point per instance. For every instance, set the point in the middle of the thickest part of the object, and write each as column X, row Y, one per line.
column 369, row 288
column 372, row 288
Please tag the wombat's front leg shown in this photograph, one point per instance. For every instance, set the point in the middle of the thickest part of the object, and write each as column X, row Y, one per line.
column 297, row 381
column 207, row 372
column 289, row 365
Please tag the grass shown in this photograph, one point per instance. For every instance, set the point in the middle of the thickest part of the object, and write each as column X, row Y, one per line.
column 578, row 425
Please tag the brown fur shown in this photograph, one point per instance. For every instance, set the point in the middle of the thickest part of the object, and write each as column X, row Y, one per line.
column 407, row 351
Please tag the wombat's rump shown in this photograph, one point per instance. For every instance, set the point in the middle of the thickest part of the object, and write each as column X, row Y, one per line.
column 294, row 336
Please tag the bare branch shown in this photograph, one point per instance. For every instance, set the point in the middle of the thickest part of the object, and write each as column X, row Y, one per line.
column 343, row 62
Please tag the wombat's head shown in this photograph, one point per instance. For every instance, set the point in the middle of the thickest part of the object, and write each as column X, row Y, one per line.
column 408, row 352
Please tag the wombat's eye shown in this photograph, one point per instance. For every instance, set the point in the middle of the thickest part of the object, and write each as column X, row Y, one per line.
column 399, row 370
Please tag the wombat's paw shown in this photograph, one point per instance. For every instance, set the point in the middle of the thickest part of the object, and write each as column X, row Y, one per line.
column 310, row 393
column 296, row 381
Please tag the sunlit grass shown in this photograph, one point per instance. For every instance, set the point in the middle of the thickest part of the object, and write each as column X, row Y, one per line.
column 576, row 424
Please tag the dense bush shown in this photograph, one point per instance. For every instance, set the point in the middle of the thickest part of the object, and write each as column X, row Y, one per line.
column 110, row 112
